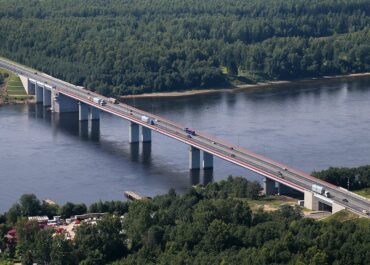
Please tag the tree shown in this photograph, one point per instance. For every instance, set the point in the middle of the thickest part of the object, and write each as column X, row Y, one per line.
column 30, row 205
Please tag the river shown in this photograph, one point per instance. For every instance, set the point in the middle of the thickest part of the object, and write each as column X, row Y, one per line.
column 308, row 126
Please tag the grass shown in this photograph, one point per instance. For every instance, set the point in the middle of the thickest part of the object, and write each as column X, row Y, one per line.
column 14, row 89
column 270, row 203
column 363, row 192
column 342, row 216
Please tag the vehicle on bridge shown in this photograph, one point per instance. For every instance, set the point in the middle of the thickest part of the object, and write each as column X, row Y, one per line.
column 320, row 190
column 113, row 100
column 189, row 131
column 99, row 101
column 148, row 120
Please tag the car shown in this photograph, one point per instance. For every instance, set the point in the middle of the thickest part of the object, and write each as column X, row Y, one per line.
column 232, row 148
column 232, row 155
column 189, row 136
column 214, row 142
column 365, row 211
column 285, row 169
column 344, row 200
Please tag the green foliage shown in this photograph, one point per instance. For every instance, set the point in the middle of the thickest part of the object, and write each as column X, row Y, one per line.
column 358, row 177
column 30, row 205
column 69, row 209
column 116, row 207
column 100, row 243
column 206, row 225
column 129, row 47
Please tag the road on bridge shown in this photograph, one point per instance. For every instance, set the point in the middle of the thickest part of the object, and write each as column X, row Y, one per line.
column 293, row 178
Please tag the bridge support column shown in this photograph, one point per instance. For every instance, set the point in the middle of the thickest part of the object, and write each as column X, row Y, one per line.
column 133, row 132
column 269, row 186
column 207, row 160
column 39, row 92
column 61, row 103
column 95, row 113
column 146, row 134
column 310, row 201
column 194, row 158
column 46, row 98
column 83, row 111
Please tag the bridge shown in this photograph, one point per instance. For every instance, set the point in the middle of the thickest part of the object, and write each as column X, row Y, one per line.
column 279, row 178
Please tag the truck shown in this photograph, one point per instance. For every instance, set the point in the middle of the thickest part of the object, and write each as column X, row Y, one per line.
column 113, row 100
column 189, row 131
column 320, row 190
column 148, row 120
column 99, row 101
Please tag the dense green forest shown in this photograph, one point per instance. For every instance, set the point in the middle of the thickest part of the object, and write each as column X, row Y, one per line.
column 123, row 47
column 206, row 225
column 358, row 177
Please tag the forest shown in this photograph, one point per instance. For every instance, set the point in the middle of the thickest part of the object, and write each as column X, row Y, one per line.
column 211, row 224
column 353, row 178
column 120, row 47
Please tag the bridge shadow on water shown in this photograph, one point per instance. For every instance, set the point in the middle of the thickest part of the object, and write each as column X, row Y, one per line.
column 139, row 154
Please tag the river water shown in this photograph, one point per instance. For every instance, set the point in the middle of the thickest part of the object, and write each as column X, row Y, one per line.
column 310, row 127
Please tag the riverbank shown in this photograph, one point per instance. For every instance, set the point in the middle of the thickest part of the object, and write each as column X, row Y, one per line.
column 248, row 86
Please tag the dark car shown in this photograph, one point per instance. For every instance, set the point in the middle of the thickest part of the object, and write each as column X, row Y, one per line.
column 344, row 200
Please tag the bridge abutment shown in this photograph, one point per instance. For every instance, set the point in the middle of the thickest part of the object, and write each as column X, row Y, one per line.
column 146, row 134
column 207, row 160
column 27, row 85
column 310, row 201
column 194, row 158
column 133, row 132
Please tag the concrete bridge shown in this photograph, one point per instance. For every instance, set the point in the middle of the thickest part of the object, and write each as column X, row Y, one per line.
column 62, row 97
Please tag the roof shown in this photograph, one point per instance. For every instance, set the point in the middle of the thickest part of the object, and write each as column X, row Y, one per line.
column 38, row 218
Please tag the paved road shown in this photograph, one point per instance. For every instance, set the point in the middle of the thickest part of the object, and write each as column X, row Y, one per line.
column 262, row 165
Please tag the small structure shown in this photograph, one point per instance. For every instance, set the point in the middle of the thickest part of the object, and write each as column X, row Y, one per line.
column 39, row 219
column 134, row 196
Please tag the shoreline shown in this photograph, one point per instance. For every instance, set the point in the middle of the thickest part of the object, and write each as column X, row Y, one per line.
column 245, row 86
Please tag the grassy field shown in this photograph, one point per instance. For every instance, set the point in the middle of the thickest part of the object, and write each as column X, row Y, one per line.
column 271, row 203
column 342, row 216
column 364, row 192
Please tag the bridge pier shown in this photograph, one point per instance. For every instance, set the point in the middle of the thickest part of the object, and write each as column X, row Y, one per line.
column 61, row 103
column 46, row 97
column 95, row 113
column 269, row 186
column 133, row 132
column 194, row 158
column 83, row 111
column 146, row 134
column 39, row 93
column 207, row 160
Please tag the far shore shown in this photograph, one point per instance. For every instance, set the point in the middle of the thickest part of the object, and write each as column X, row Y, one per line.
column 245, row 86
